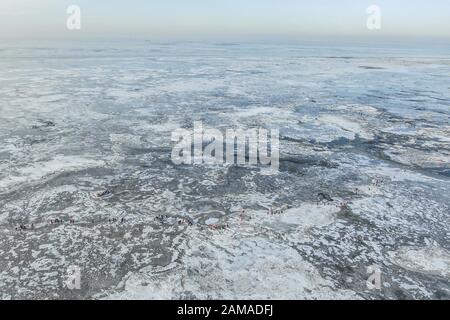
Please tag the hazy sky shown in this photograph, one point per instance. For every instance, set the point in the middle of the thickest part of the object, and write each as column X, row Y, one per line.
column 223, row 19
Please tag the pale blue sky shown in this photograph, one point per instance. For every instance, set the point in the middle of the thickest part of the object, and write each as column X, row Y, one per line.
column 224, row 19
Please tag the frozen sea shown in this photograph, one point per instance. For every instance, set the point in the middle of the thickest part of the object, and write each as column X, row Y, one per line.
column 85, row 138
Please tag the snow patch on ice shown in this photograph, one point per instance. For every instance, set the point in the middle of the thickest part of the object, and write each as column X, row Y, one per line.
column 346, row 124
column 39, row 170
column 219, row 269
column 430, row 259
